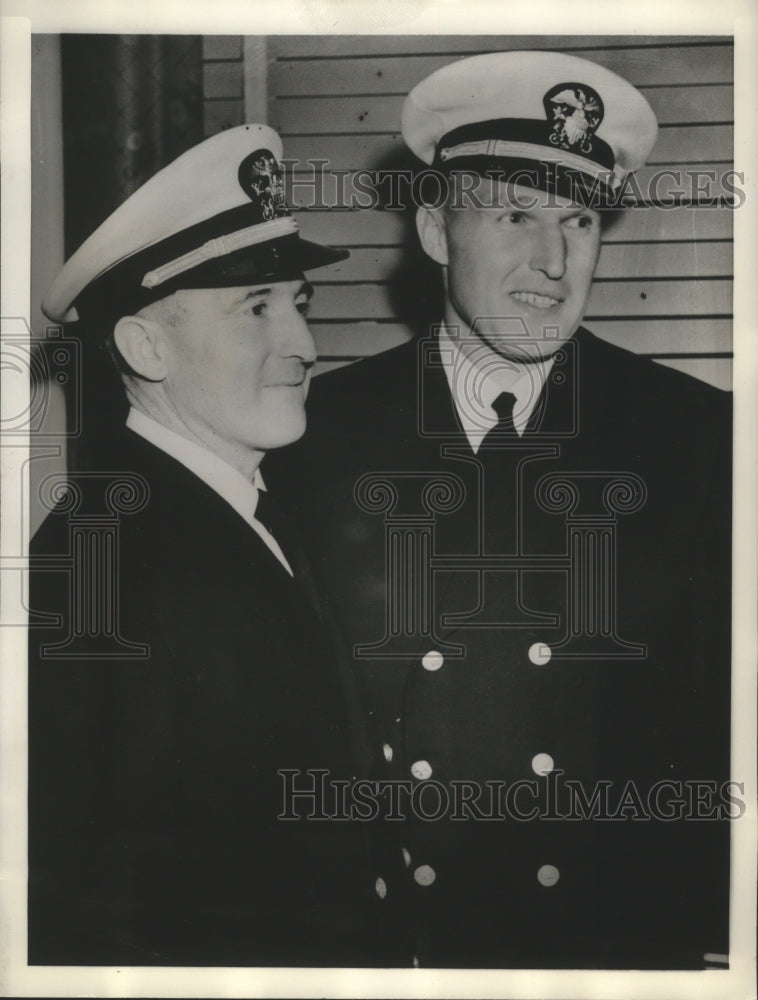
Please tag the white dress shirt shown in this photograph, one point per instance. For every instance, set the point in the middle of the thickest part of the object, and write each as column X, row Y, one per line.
column 224, row 479
column 477, row 378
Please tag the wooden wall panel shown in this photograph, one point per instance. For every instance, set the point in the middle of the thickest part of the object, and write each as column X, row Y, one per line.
column 380, row 228
column 222, row 80
column 675, row 297
column 647, row 260
column 314, row 185
column 663, row 285
column 223, row 76
column 381, row 112
column 644, row 66
column 594, row 46
column 360, row 150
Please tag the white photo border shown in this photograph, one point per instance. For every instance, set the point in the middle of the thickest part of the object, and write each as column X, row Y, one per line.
column 21, row 18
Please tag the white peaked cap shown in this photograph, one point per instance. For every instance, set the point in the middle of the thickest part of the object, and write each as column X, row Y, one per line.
column 530, row 106
column 214, row 216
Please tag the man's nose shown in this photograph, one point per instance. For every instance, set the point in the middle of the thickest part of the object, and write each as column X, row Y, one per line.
column 296, row 339
column 549, row 252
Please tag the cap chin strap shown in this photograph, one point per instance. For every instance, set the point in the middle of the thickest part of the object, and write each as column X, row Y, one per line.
column 530, row 151
column 220, row 247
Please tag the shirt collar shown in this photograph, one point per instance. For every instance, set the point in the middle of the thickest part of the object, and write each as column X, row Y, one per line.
column 476, row 379
column 238, row 491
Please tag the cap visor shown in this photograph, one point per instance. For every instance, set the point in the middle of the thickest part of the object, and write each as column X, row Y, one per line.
column 277, row 260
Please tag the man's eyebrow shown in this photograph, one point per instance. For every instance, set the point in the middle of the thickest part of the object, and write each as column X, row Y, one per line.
column 572, row 210
column 306, row 288
column 255, row 293
column 251, row 293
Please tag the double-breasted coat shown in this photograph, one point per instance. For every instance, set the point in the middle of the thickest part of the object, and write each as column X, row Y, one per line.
column 541, row 622
column 186, row 669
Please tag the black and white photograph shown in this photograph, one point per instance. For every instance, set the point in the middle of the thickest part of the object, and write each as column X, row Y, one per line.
column 378, row 555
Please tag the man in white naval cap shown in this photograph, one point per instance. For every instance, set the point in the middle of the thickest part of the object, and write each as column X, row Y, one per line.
column 526, row 532
column 186, row 656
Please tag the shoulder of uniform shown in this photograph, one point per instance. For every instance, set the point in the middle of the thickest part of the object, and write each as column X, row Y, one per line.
column 376, row 376
column 642, row 376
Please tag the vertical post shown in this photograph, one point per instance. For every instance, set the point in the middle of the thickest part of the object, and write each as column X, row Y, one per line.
column 255, row 74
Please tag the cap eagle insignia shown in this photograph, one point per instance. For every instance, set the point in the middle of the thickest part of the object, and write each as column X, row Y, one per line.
column 575, row 111
column 260, row 177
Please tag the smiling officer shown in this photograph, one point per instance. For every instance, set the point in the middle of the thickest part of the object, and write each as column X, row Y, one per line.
column 526, row 532
column 187, row 657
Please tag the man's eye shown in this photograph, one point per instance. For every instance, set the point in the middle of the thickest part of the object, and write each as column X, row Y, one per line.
column 258, row 309
column 580, row 222
column 513, row 216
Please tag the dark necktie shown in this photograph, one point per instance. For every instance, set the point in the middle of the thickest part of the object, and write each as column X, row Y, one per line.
column 278, row 523
column 503, row 407
column 273, row 520
column 498, row 464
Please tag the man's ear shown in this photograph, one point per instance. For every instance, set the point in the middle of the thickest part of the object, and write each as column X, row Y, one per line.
column 140, row 342
column 430, row 223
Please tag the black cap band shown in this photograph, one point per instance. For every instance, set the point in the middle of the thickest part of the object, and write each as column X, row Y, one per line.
column 525, row 151
column 519, row 130
column 120, row 290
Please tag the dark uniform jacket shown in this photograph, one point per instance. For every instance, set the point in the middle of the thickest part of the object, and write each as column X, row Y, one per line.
column 551, row 616
column 187, row 669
